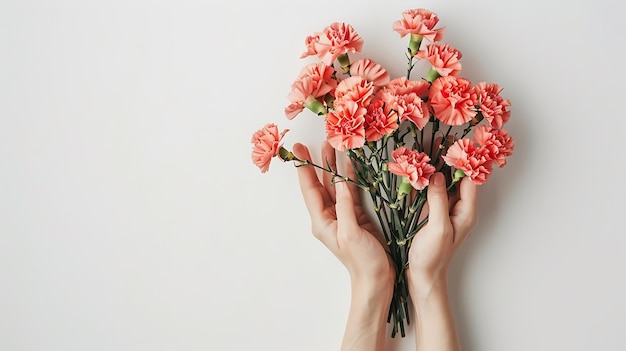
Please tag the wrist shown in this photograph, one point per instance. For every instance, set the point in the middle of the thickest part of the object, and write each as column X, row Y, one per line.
column 372, row 288
column 435, row 328
column 367, row 321
column 424, row 287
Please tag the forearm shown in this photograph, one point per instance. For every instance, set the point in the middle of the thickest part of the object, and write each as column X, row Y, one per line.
column 367, row 319
column 435, row 329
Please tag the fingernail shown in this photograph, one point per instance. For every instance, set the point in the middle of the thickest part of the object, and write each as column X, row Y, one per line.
column 340, row 186
column 438, row 179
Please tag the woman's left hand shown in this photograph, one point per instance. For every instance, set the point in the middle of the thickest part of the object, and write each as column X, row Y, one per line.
column 341, row 223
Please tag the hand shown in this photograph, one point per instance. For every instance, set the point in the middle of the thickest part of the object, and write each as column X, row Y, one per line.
column 450, row 222
column 340, row 222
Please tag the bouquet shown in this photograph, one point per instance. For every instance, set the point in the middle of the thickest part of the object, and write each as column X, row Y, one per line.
column 396, row 132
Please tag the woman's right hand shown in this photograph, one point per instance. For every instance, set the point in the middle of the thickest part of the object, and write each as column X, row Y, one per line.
column 450, row 222
column 432, row 249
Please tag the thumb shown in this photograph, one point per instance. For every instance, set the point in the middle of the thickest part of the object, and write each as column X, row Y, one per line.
column 438, row 201
column 344, row 207
column 464, row 214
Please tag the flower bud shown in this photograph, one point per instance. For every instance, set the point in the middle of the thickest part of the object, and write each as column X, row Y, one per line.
column 432, row 75
column 404, row 188
column 344, row 62
column 458, row 175
column 285, row 154
column 414, row 44
column 315, row 105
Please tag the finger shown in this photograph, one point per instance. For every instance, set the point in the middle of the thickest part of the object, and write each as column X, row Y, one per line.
column 437, row 196
column 454, row 197
column 464, row 215
column 469, row 193
column 313, row 192
column 351, row 173
column 329, row 157
column 344, row 207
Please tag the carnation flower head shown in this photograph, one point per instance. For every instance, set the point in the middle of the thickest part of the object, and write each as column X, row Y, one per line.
column 419, row 22
column 491, row 105
column 356, row 89
column 453, row 100
column 265, row 145
column 443, row 58
column 337, row 39
column 310, row 42
column 313, row 83
column 380, row 120
column 497, row 143
column 371, row 71
column 473, row 161
column 402, row 85
column 413, row 165
column 345, row 126
column 404, row 96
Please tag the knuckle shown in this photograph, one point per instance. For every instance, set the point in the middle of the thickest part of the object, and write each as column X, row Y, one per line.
column 346, row 236
column 437, row 195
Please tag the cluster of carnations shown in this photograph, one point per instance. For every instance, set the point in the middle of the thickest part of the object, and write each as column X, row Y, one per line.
column 396, row 132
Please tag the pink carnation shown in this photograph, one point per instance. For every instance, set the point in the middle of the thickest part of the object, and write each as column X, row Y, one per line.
column 473, row 161
column 265, row 145
column 314, row 82
column 453, row 100
column 404, row 96
column 413, row 165
column 380, row 120
column 345, row 126
column 336, row 39
column 402, row 86
column 492, row 106
column 310, row 42
column 443, row 57
column 497, row 142
column 356, row 89
column 371, row 71
column 420, row 22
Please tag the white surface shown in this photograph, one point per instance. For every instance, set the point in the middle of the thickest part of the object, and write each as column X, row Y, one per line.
column 131, row 217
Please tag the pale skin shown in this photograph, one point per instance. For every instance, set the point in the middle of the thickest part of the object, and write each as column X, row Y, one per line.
column 341, row 223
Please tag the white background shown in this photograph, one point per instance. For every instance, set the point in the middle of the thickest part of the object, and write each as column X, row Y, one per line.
column 131, row 216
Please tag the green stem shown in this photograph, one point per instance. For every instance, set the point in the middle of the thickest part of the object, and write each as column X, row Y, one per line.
column 333, row 173
column 433, row 132
column 442, row 145
column 474, row 122
column 415, row 210
column 413, row 128
column 423, row 222
column 409, row 67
